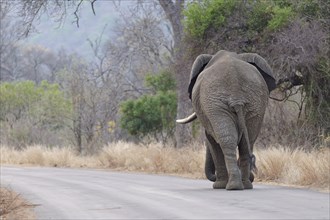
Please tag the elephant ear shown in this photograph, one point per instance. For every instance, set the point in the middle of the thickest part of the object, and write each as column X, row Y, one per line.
column 262, row 66
column 198, row 66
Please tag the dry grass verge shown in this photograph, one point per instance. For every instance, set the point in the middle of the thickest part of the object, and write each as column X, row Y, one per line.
column 13, row 206
column 295, row 167
column 276, row 164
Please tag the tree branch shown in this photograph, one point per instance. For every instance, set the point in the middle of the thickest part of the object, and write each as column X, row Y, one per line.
column 92, row 5
column 76, row 13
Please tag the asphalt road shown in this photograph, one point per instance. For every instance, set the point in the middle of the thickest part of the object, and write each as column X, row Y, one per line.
column 98, row 194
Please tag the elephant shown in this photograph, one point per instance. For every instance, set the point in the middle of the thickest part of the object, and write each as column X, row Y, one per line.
column 229, row 94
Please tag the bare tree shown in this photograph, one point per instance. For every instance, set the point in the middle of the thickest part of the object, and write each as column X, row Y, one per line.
column 36, row 60
column 302, row 58
column 8, row 44
column 31, row 10
column 142, row 30
column 140, row 46
column 96, row 90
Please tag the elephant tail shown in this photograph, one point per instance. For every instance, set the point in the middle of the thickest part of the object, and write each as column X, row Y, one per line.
column 242, row 125
column 188, row 119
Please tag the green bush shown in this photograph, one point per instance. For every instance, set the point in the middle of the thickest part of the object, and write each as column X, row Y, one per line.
column 281, row 16
column 200, row 16
column 152, row 114
column 259, row 17
column 313, row 8
column 270, row 15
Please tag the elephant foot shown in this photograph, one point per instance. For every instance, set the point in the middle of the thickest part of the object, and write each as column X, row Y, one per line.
column 247, row 184
column 219, row 184
column 235, row 183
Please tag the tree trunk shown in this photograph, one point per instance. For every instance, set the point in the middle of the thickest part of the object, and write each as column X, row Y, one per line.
column 183, row 132
column 77, row 128
column 173, row 11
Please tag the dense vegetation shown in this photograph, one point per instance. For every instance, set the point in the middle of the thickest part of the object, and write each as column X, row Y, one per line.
column 293, row 36
column 29, row 110
column 57, row 98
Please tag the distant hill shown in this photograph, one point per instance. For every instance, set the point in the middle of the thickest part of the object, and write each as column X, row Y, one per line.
column 67, row 35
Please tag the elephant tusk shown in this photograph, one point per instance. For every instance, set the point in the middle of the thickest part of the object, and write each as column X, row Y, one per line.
column 188, row 119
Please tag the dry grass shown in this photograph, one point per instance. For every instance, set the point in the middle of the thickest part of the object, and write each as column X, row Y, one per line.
column 295, row 167
column 42, row 156
column 276, row 164
column 152, row 159
column 13, row 206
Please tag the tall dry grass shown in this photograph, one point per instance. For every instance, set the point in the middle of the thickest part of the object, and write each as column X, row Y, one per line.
column 295, row 166
column 275, row 164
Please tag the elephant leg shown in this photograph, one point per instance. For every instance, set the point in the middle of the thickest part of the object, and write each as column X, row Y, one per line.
column 245, row 162
column 219, row 163
column 226, row 135
column 209, row 164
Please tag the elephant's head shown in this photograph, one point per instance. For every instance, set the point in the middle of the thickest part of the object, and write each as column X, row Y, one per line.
column 254, row 59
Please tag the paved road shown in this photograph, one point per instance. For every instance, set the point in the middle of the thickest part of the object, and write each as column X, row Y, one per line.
column 96, row 194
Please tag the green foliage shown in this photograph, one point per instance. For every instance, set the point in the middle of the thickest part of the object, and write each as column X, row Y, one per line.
column 259, row 17
column 161, row 82
column 152, row 114
column 313, row 8
column 44, row 103
column 200, row 16
column 281, row 16
column 149, row 113
column 28, row 112
column 269, row 15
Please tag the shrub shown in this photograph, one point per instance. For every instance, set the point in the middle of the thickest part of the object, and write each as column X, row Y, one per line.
column 281, row 16
column 200, row 16
column 267, row 16
column 152, row 114
column 259, row 17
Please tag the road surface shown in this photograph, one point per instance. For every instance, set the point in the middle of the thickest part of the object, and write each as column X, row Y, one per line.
column 98, row 194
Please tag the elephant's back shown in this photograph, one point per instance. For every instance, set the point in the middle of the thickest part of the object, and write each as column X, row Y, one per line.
column 231, row 81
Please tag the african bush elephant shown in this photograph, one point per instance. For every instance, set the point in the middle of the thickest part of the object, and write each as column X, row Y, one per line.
column 229, row 94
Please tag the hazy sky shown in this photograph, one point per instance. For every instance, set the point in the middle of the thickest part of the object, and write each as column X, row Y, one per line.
column 68, row 36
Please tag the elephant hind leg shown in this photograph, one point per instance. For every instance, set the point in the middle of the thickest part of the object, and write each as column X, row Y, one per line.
column 221, row 174
column 245, row 163
column 226, row 135
column 245, row 171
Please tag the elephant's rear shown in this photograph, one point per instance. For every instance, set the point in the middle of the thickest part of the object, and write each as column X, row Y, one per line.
column 229, row 82
column 232, row 81
column 230, row 98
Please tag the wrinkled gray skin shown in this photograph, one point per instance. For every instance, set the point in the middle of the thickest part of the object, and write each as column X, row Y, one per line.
column 229, row 94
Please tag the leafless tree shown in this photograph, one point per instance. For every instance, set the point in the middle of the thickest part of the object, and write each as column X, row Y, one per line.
column 173, row 9
column 96, row 90
column 8, row 44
